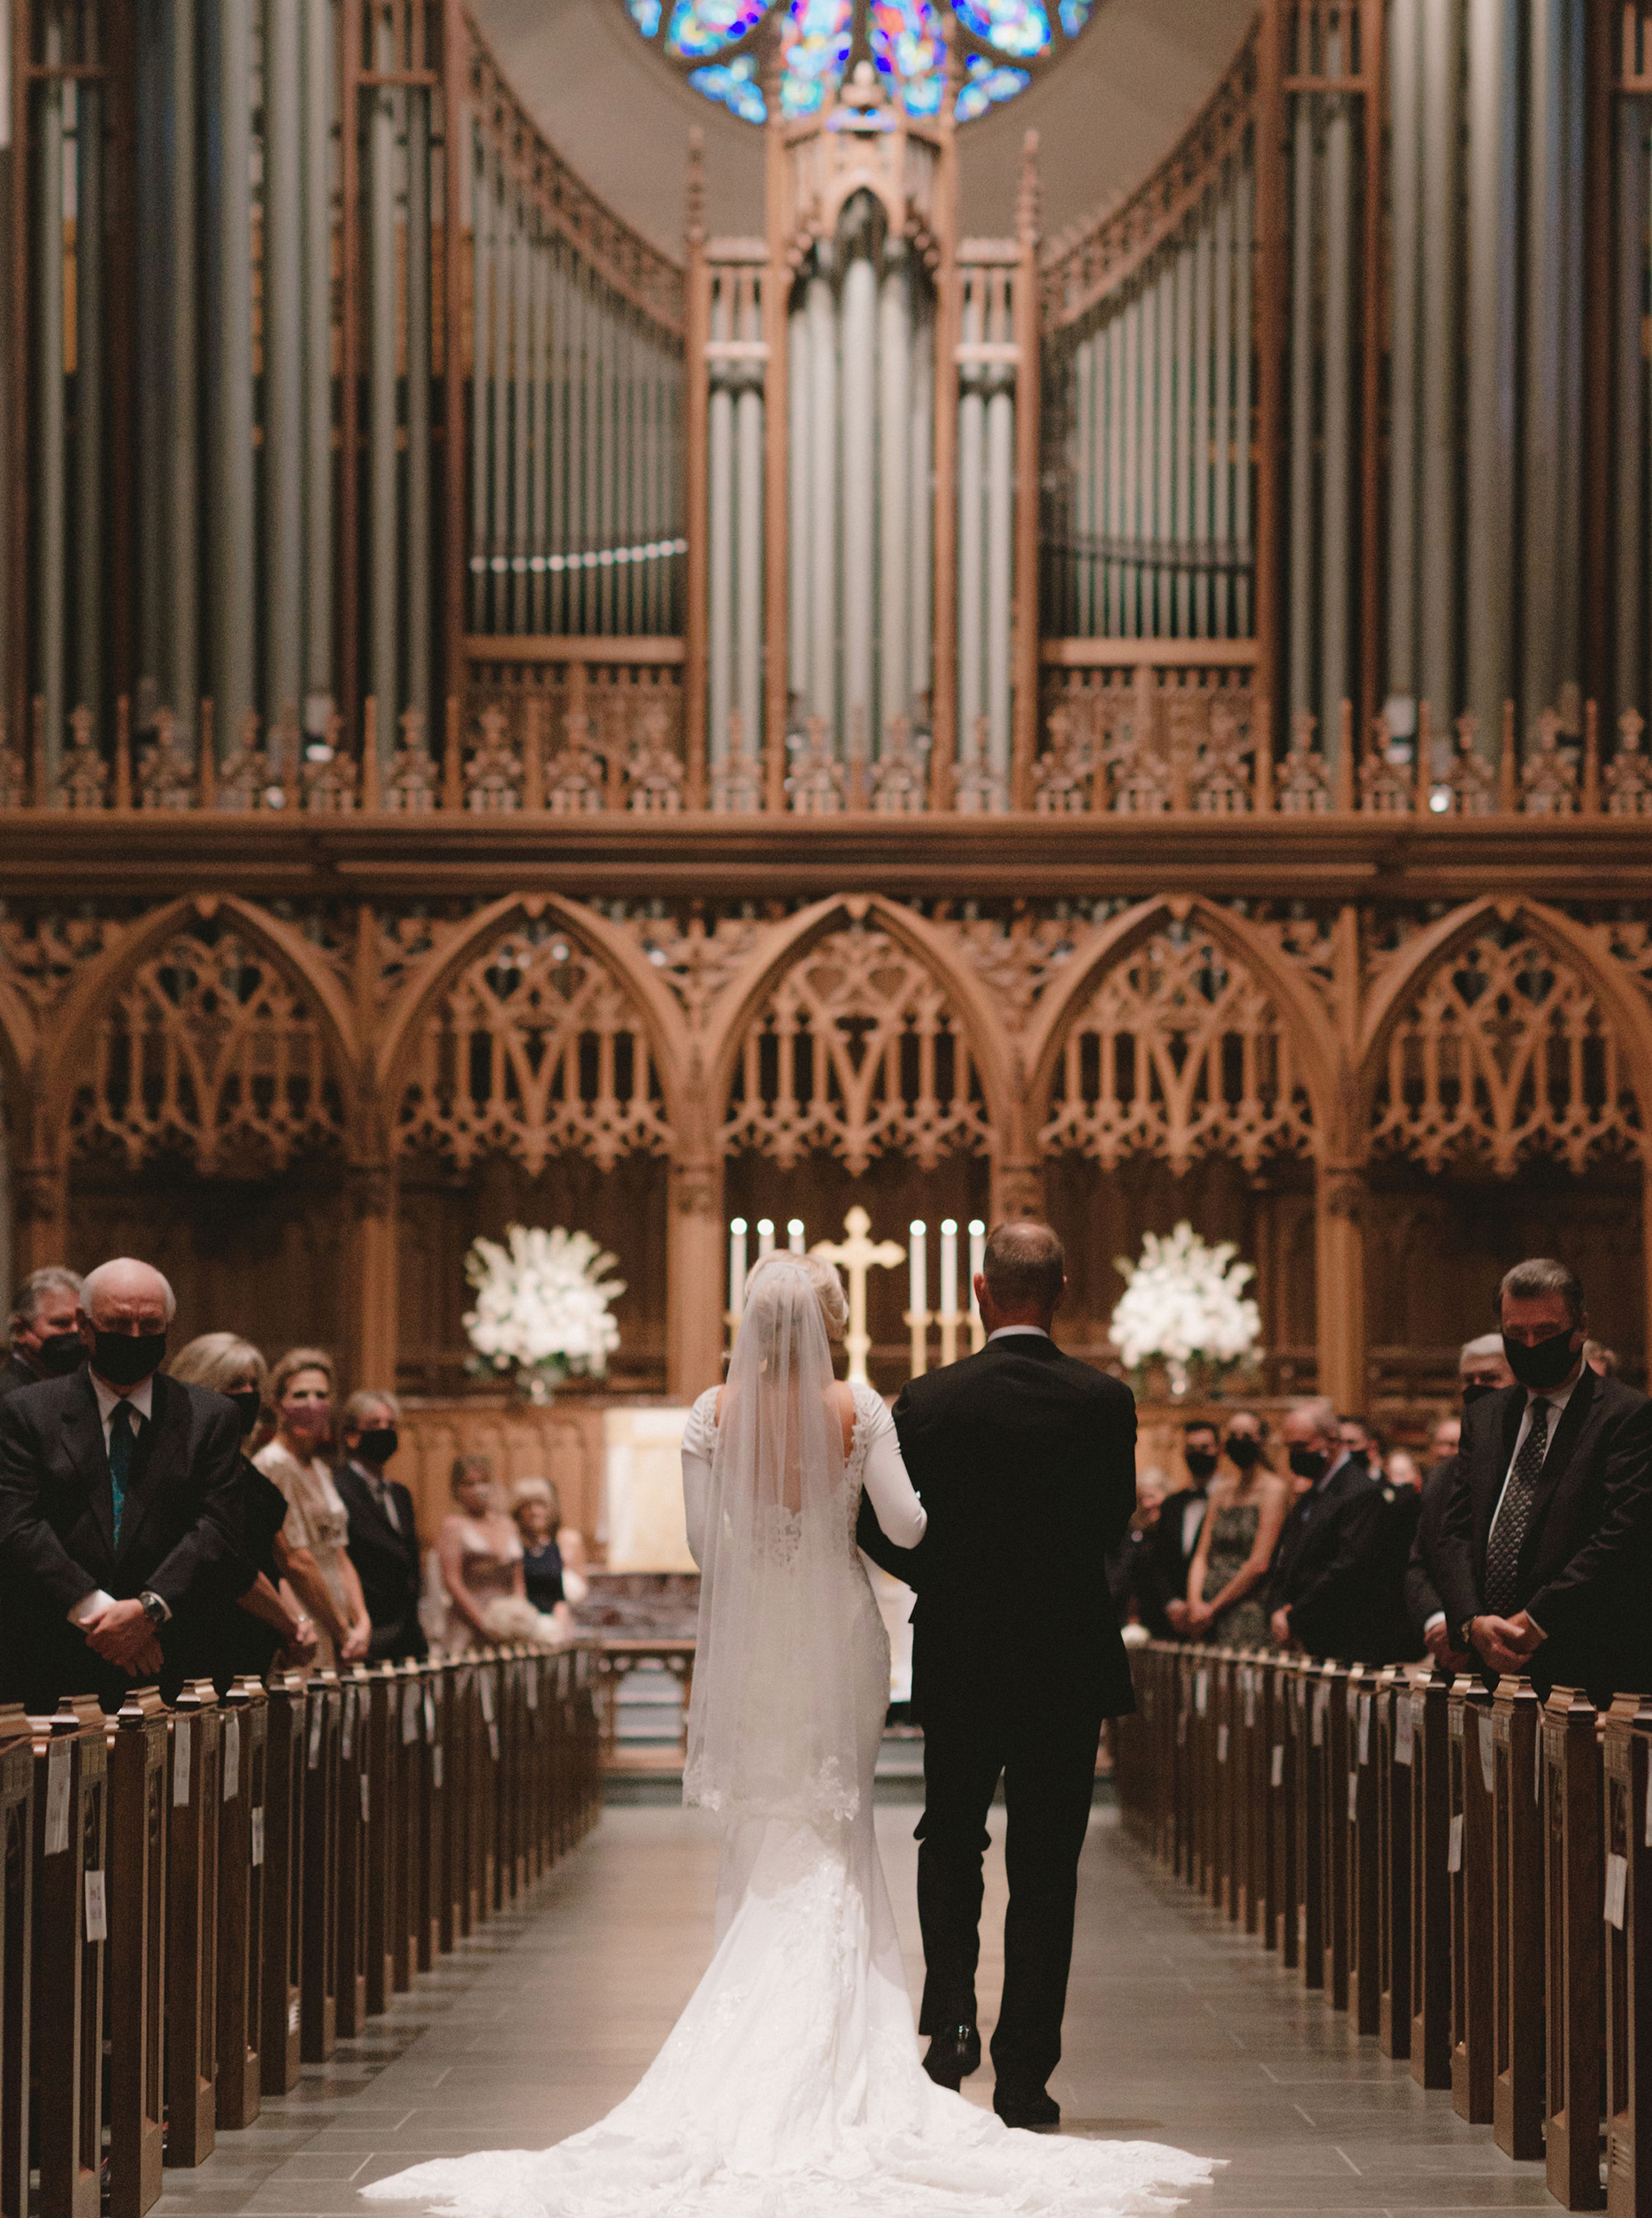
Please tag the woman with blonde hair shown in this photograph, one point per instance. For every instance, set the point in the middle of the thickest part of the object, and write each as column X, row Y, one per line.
column 479, row 1555
column 301, row 1393
column 553, row 1554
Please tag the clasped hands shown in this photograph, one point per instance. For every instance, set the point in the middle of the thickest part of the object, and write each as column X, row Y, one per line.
column 122, row 1635
column 1507, row 1644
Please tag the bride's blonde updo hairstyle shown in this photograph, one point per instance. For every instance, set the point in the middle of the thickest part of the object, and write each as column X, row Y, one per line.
column 822, row 1276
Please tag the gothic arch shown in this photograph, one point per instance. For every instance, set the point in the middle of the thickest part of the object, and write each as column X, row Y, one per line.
column 996, row 1066
column 1303, row 1016
column 658, row 1018
column 62, row 1063
column 1620, row 1003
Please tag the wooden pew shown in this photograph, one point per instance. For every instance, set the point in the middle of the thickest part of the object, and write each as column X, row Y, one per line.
column 1628, row 1937
column 17, row 1841
column 460, row 1833
column 1331, row 1693
column 1472, row 2030
column 1517, row 1921
column 1312, row 1702
column 240, row 1907
column 536, row 1776
column 407, row 1842
column 1285, row 1777
column 488, row 1750
column 381, row 1725
column 192, row 1925
column 1395, row 1769
column 354, row 1884
column 590, row 1807
column 1431, row 1877
column 1364, row 1874
column 135, row 1752
column 317, row 2016
column 69, row 1911
column 1574, row 1886
column 1228, row 1884
column 1182, row 1813
column 277, row 1846
column 1255, row 1846
column 430, row 1813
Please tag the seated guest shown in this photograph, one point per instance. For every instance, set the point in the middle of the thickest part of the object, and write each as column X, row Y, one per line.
column 118, row 1494
column 1546, row 1549
column 301, row 1396
column 553, row 1554
column 480, row 1553
column 245, row 1635
column 384, row 1539
column 1322, row 1590
column 1359, row 1441
column 45, row 1340
column 1482, row 1368
column 1399, row 1468
column 1236, row 1543
column 1161, row 1582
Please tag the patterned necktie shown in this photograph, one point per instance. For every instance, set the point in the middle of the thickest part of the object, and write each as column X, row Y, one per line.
column 122, row 1440
column 1514, row 1514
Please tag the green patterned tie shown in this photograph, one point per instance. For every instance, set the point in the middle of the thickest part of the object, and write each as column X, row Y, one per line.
column 122, row 1440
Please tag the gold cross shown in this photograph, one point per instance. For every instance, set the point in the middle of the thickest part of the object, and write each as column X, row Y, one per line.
column 855, row 1257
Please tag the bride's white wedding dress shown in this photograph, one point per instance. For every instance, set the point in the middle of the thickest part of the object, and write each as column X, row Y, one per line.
column 791, row 2086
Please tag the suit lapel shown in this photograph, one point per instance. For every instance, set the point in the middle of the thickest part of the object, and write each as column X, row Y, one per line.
column 1573, row 1435
column 160, row 1452
column 83, row 1436
column 1491, row 1466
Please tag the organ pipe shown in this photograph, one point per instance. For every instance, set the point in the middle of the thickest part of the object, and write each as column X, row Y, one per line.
column 1303, row 552
column 1000, row 546
column 800, row 477
column 720, row 540
column 53, row 417
column 1440, row 260
column 317, row 327
column 89, row 381
column 283, row 348
column 1489, row 476
column 182, row 676
column 822, row 510
column 382, row 565
column 859, row 481
column 894, row 361
column 749, row 642
column 1336, row 542
column 232, row 505
column 1629, row 528
column 1404, row 142
column 418, row 587
column 1541, row 435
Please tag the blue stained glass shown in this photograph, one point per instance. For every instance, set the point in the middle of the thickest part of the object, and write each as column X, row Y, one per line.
column 735, row 84
column 646, row 15
column 1014, row 26
column 905, row 43
column 706, row 27
column 985, row 83
column 1074, row 15
column 816, row 40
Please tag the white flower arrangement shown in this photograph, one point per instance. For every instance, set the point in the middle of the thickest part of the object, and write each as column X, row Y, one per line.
column 1185, row 1303
column 541, row 1307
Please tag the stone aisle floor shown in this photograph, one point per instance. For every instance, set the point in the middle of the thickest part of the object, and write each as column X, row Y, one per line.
column 1177, row 2029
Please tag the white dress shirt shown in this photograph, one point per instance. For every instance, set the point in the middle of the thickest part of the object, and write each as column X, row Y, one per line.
column 1007, row 1332
column 140, row 1399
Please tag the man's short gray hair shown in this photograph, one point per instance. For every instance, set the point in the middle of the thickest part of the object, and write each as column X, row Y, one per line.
column 1024, row 1265
column 93, row 1279
column 29, row 1299
column 1540, row 1275
column 1321, row 1410
column 365, row 1400
column 1473, row 1352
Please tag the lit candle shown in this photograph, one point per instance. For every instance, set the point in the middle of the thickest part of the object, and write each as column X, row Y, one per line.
column 765, row 1237
column 919, row 1254
column 947, row 1313
column 736, row 1266
column 794, row 1235
column 978, row 1259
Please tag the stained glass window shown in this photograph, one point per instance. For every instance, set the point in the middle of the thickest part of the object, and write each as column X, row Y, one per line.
column 1003, row 45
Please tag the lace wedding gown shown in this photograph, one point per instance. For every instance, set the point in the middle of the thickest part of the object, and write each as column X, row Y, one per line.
column 791, row 2086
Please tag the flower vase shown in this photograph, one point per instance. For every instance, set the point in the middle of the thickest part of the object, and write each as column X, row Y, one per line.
column 539, row 1382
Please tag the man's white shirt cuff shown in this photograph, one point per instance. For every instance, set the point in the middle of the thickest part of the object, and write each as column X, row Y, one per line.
column 88, row 1605
column 1434, row 1623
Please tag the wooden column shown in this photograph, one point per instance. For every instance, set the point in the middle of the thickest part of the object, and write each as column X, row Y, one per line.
column 1332, row 1692
column 375, row 1190
column 1340, row 1199
column 41, row 1210
column 696, row 522
column 1028, row 390
column 695, row 1264
column 17, row 1834
column 432, row 1898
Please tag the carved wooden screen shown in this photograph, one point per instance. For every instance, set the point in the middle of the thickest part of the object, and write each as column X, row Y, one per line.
column 1180, row 1053
column 1503, row 1055
column 858, row 1053
column 209, row 1050
column 536, row 1050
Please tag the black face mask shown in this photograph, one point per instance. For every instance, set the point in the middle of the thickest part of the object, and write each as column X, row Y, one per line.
column 1476, row 1390
column 378, row 1443
column 61, row 1353
column 1546, row 1364
column 1200, row 1464
column 1242, row 1451
column 248, row 1401
column 1309, row 1462
column 126, row 1358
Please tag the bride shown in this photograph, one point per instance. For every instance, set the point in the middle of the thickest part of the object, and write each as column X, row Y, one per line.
column 791, row 2085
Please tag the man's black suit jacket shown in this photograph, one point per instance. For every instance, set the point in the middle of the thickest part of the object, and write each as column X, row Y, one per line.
column 15, row 1374
column 1587, row 1558
column 1164, row 1563
column 1025, row 1459
column 1422, row 1587
column 387, row 1563
column 1328, row 1567
column 177, row 1534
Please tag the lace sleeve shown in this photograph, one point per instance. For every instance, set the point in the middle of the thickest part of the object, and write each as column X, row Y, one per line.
column 902, row 1516
column 699, row 1440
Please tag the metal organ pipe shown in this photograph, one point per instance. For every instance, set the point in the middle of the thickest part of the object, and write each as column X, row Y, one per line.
column 1405, row 114
column 1630, row 614
column 1199, row 516
column 1000, row 548
column 720, row 530
column 895, row 364
column 749, row 413
column 1541, row 422
column 1493, row 194
column 1302, row 433
column 52, row 543
column 151, row 318
column 823, row 497
column 89, row 380
column 317, row 326
column 1221, row 507
column 972, row 464
column 183, row 472
column 1335, row 544
column 381, row 412
column 920, row 433
column 419, row 569
column 800, row 483
column 283, row 345
column 232, row 510
column 859, row 480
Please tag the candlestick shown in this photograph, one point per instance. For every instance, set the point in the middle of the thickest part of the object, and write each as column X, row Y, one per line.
column 794, row 1235
column 765, row 1237
column 947, row 1315
column 916, row 1318
column 978, row 1261
column 736, row 1267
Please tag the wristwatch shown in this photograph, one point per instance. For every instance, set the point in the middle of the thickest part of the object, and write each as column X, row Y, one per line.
column 153, row 1607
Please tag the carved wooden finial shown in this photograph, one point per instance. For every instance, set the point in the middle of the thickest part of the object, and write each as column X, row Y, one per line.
column 1029, row 199
column 694, row 189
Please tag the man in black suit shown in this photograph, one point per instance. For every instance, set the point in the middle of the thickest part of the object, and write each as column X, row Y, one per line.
column 45, row 1341
column 118, row 1502
column 1161, row 1565
column 1546, row 1549
column 1026, row 1461
column 1324, row 1587
column 383, row 1541
column 1482, row 1369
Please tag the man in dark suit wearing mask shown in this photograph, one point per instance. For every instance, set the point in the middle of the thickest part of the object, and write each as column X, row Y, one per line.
column 118, row 1503
column 1161, row 1571
column 1482, row 1369
column 383, row 1540
column 1546, row 1547
column 45, row 1340
column 1323, row 1594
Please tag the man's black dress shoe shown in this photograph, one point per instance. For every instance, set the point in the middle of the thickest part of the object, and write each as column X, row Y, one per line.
column 1034, row 2109
column 953, row 2056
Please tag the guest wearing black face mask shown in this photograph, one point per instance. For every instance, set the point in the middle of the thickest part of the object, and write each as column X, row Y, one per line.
column 384, row 1539
column 118, row 1496
column 1236, row 1543
column 1482, row 1369
column 1324, row 1589
column 45, row 1340
column 1166, row 1556
column 1546, row 1549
